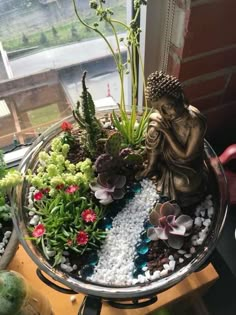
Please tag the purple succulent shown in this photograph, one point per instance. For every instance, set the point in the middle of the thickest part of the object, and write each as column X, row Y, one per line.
column 108, row 187
column 169, row 224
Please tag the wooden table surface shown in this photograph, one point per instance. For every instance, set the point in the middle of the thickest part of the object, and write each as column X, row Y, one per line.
column 62, row 305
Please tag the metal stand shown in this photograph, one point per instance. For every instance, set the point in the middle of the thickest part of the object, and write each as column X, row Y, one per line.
column 92, row 305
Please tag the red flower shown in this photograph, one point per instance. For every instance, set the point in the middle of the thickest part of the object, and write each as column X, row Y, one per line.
column 89, row 215
column 59, row 187
column 82, row 238
column 38, row 195
column 66, row 126
column 39, row 230
column 71, row 189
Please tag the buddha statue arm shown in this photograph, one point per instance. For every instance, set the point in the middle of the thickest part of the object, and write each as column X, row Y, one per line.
column 194, row 142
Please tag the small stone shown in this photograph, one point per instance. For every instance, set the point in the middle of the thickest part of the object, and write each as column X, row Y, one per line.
column 156, row 274
column 7, row 234
column 198, row 221
column 202, row 213
column 166, row 266
column 207, row 222
column 188, row 255
column 63, row 260
column 181, row 260
column 210, row 212
column 75, row 267
column 66, row 253
column 73, row 298
column 171, row 257
column 192, row 250
column 182, row 251
column 164, row 272
column 172, row 264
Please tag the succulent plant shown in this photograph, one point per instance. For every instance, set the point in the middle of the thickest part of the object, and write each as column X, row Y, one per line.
column 108, row 187
column 169, row 224
column 116, row 158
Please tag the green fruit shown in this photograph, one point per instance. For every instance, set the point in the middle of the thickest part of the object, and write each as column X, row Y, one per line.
column 12, row 292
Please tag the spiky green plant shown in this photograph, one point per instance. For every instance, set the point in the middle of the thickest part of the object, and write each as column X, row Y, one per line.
column 84, row 114
column 131, row 127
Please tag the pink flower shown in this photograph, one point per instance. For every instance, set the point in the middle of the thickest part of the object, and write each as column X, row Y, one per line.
column 39, row 230
column 66, row 126
column 38, row 195
column 82, row 238
column 71, row 189
column 89, row 215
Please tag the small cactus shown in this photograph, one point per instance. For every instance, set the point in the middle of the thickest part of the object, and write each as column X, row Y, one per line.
column 84, row 114
column 113, row 144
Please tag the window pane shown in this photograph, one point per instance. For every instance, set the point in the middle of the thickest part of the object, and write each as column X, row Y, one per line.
column 45, row 51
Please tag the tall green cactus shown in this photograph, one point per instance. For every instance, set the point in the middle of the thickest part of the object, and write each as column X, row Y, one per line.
column 84, row 114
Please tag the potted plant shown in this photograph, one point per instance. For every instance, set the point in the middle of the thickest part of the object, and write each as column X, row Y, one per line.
column 8, row 237
column 90, row 212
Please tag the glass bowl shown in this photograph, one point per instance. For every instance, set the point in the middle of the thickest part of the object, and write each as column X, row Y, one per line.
column 220, row 196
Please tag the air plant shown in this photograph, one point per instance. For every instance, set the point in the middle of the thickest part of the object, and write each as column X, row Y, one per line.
column 108, row 187
column 169, row 224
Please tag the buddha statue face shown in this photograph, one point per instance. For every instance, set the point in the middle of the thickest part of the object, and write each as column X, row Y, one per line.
column 168, row 108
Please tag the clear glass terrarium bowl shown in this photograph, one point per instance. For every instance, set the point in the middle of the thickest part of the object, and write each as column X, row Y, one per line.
column 218, row 189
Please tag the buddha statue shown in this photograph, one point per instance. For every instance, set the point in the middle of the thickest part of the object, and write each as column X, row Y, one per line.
column 174, row 142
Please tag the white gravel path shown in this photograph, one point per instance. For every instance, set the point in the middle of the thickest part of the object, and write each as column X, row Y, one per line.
column 116, row 257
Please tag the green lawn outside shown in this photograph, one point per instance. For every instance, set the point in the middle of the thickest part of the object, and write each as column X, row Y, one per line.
column 43, row 115
column 65, row 33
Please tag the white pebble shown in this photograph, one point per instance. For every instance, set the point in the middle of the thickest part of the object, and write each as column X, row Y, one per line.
column 198, row 221
column 188, row 255
column 73, row 298
column 210, row 212
column 182, row 251
column 7, row 234
column 203, row 213
column 181, row 260
column 172, row 265
column 207, row 222
column 164, row 272
column 166, row 266
column 171, row 257
column 192, row 250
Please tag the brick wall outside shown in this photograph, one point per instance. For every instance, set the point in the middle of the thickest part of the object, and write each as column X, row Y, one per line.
column 206, row 64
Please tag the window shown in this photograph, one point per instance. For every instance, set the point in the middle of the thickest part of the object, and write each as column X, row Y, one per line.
column 43, row 55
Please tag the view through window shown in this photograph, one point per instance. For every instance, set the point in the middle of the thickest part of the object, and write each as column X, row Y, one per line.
column 43, row 55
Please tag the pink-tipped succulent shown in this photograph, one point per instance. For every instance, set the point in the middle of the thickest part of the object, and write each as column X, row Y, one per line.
column 169, row 224
column 108, row 187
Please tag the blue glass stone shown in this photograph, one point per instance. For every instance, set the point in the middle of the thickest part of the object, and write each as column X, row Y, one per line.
column 86, row 271
column 147, row 224
column 129, row 195
column 107, row 223
column 142, row 248
column 92, row 258
column 145, row 238
column 137, row 272
column 140, row 261
column 136, row 187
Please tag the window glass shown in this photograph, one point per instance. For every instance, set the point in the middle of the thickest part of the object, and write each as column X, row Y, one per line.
column 44, row 51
